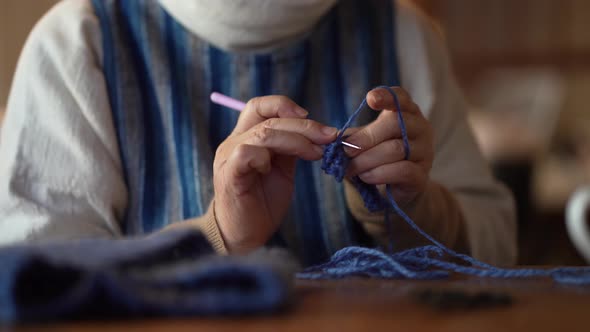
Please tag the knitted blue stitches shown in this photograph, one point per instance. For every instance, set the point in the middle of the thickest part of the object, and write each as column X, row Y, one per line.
column 428, row 262
column 335, row 160
column 335, row 163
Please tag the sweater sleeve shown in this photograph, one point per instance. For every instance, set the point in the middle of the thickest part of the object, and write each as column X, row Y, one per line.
column 207, row 223
column 463, row 206
column 61, row 175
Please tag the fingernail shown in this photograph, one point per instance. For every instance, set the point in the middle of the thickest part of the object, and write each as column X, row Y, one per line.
column 377, row 97
column 301, row 112
column 329, row 131
column 318, row 149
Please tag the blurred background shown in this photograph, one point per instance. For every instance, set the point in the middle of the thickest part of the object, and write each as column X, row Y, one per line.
column 525, row 68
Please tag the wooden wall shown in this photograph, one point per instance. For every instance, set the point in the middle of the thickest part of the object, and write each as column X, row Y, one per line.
column 487, row 33
column 17, row 17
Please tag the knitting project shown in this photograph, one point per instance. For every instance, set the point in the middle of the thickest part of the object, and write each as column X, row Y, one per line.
column 434, row 261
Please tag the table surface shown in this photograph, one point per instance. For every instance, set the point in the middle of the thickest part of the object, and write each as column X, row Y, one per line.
column 387, row 305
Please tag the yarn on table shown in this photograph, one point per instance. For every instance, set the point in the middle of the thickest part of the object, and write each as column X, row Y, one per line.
column 428, row 262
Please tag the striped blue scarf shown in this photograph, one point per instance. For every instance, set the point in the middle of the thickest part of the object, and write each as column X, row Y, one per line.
column 159, row 78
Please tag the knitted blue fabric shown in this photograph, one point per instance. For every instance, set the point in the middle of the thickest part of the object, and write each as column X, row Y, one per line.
column 428, row 262
column 167, row 274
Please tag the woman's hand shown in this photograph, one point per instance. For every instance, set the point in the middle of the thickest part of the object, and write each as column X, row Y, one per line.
column 254, row 168
column 382, row 158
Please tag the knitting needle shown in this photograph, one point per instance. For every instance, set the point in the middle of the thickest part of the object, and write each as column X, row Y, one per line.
column 351, row 145
column 229, row 102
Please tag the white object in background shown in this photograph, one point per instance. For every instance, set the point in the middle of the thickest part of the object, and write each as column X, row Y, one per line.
column 577, row 226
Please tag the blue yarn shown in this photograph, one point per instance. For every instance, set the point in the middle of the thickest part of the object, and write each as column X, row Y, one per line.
column 434, row 261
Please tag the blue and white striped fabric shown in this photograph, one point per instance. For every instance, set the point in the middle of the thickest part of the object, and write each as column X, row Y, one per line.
column 159, row 78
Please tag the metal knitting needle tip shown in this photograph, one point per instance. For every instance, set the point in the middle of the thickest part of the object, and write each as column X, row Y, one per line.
column 351, row 145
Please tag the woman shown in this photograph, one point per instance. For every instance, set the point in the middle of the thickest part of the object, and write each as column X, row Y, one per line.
column 109, row 130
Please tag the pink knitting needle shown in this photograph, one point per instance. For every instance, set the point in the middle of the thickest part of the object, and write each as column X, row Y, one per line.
column 229, row 102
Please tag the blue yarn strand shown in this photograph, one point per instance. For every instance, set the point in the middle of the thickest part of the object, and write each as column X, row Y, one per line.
column 400, row 118
column 421, row 263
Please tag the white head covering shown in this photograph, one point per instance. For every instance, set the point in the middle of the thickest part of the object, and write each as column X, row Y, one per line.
column 247, row 25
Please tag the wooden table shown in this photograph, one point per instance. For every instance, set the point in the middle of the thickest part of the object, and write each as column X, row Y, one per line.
column 378, row 305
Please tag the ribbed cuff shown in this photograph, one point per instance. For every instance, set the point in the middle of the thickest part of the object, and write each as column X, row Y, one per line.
column 207, row 224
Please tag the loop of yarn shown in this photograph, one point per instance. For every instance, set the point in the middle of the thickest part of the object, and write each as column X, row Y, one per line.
column 335, row 160
column 428, row 262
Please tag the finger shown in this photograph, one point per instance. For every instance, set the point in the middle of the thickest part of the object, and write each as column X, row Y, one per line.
column 245, row 162
column 283, row 143
column 385, row 128
column 262, row 108
column 247, row 158
column 387, row 152
column 312, row 130
column 405, row 174
column 351, row 131
column 382, row 99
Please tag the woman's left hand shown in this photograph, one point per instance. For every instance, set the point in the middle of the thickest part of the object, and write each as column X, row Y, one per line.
column 382, row 158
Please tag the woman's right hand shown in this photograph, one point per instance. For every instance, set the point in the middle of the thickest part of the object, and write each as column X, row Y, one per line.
column 254, row 169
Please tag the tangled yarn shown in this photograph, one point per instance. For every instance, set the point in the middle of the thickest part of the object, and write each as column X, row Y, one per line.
column 433, row 261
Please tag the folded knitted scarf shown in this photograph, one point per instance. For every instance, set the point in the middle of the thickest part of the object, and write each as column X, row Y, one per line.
column 168, row 274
